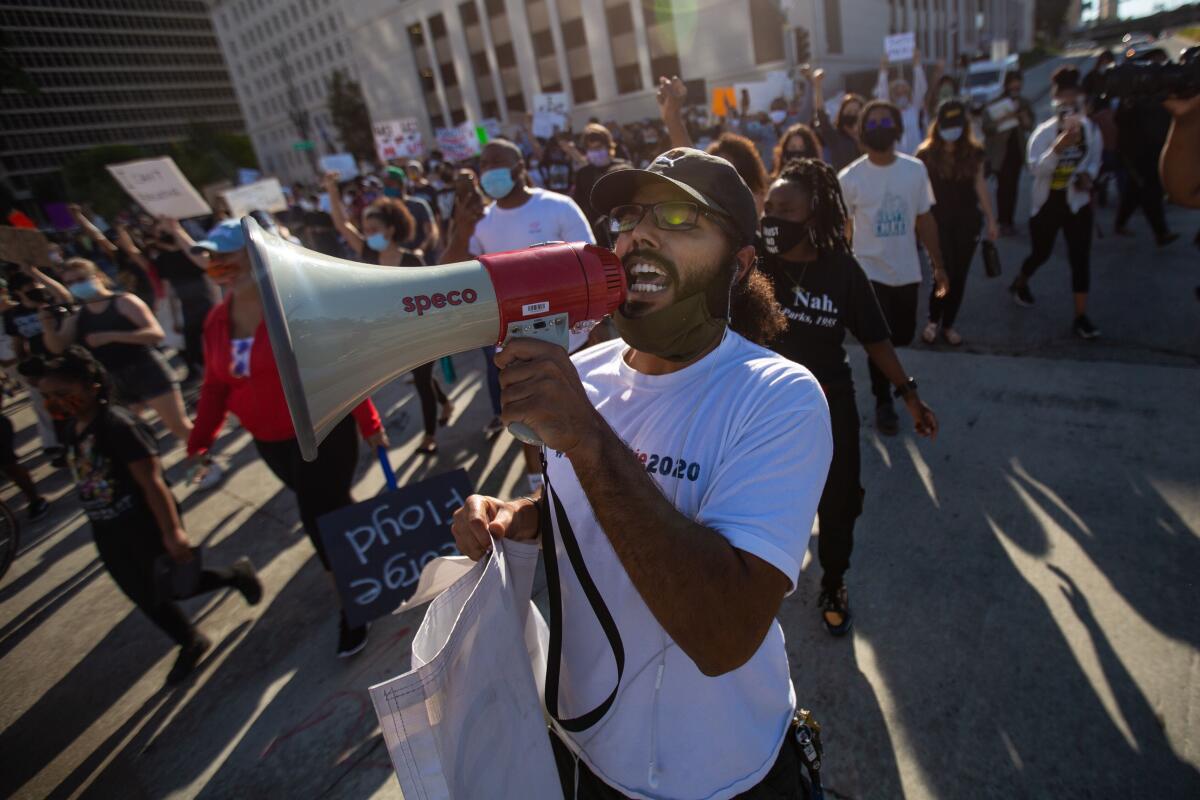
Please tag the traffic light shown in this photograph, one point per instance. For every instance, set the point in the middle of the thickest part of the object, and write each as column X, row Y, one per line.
column 803, row 48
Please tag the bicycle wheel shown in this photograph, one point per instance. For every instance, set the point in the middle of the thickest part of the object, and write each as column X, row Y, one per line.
column 10, row 537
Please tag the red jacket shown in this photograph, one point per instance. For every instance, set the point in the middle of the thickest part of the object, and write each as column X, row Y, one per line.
column 258, row 400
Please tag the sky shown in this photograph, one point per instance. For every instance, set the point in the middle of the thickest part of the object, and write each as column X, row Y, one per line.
column 1140, row 8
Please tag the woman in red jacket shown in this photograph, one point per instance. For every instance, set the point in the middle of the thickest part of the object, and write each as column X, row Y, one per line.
column 241, row 376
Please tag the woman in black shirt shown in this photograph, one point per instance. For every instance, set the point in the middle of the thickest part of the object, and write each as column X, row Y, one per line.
column 824, row 293
column 954, row 160
column 386, row 225
column 135, row 520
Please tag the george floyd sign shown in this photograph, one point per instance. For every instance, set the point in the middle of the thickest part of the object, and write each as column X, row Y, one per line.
column 378, row 547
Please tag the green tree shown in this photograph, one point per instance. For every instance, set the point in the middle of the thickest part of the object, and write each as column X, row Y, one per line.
column 348, row 111
column 88, row 181
column 12, row 77
column 1049, row 18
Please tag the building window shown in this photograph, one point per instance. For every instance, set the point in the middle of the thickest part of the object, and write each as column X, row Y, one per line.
column 629, row 78
column 623, row 45
column 833, row 26
column 767, row 24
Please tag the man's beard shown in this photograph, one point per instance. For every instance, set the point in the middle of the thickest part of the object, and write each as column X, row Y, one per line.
column 716, row 288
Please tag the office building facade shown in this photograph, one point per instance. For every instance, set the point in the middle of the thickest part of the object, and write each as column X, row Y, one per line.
column 134, row 72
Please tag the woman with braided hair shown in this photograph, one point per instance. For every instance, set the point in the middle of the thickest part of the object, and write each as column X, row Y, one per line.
column 824, row 292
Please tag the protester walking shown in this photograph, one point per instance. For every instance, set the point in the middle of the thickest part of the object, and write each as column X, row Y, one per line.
column 909, row 101
column 601, row 153
column 824, row 293
column 888, row 200
column 243, row 378
column 195, row 292
column 1064, row 157
column 23, row 324
column 1007, row 123
column 387, row 225
column 135, row 519
column 840, row 137
column 954, row 160
column 16, row 472
column 797, row 142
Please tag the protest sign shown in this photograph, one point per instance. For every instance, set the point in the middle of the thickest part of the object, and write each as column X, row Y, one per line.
column 459, row 143
column 159, row 187
column 378, row 547
column 260, row 196
column 247, row 176
column 900, row 46
column 341, row 163
column 24, row 246
column 492, row 126
column 549, row 114
column 724, row 101
column 398, row 138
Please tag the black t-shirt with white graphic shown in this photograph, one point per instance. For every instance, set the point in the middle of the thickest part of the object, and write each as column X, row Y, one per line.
column 823, row 299
column 24, row 322
column 102, row 453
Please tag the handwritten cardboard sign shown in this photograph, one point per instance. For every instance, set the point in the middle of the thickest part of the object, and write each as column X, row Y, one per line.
column 900, row 46
column 549, row 113
column 264, row 195
column 159, row 187
column 24, row 246
column 378, row 547
column 398, row 139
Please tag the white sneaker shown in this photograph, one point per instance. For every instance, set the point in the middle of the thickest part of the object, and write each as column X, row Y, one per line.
column 213, row 474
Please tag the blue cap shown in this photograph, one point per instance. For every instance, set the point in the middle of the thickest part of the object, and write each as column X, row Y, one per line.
column 226, row 237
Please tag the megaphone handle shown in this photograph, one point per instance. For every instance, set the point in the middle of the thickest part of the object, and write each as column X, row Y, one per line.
column 521, row 431
column 388, row 474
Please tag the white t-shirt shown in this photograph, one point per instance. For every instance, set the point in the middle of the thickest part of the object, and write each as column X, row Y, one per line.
column 885, row 203
column 740, row 442
column 544, row 217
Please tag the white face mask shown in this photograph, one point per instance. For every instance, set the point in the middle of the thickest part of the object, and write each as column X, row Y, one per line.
column 902, row 103
column 778, row 117
column 951, row 134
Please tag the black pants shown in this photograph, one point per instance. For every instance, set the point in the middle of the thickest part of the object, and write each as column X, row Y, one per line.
column 1008, row 181
column 958, row 237
column 785, row 781
column 1143, row 190
column 430, row 394
column 1077, row 230
column 129, row 556
column 899, row 306
column 321, row 486
column 842, row 499
column 195, row 311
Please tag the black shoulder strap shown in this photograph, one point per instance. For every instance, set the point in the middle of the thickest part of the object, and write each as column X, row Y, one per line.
column 603, row 616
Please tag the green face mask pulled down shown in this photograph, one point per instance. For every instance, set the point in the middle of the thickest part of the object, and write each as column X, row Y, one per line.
column 679, row 332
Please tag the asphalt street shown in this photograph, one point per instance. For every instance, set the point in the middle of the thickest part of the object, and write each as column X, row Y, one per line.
column 1025, row 587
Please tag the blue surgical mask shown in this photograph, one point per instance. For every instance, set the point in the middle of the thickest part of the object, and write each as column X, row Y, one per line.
column 378, row 242
column 497, row 183
column 84, row 291
column 950, row 134
column 390, row 192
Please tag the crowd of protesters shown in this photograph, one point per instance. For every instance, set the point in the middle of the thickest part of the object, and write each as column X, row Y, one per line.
column 854, row 196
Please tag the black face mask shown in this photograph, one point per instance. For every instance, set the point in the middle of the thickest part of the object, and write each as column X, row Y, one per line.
column 849, row 121
column 879, row 139
column 781, row 235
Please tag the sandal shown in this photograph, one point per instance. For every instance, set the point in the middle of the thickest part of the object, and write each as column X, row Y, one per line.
column 428, row 450
column 447, row 410
column 930, row 332
column 835, row 602
column 952, row 336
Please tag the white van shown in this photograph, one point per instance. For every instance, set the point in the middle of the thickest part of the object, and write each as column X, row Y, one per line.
column 985, row 80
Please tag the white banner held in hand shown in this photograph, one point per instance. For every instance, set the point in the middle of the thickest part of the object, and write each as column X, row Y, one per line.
column 341, row 163
column 467, row 720
column 900, row 46
column 159, row 187
column 458, row 144
column 549, row 114
column 265, row 195
column 398, row 138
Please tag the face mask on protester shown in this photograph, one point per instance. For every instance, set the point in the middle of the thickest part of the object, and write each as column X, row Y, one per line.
column 61, row 408
column 84, row 291
column 781, row 235
column 377, row 242
column 945, row 93
column 778, row 117
column 951, row 134
column 497, row 183
column 849, row 121
column 307, row 205
column 880, row 138
column 902, row 103
column 599, row 157
column 679, row 332
column 390, row 191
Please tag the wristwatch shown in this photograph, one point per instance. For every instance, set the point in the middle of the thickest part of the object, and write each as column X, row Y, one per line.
column 906, row 388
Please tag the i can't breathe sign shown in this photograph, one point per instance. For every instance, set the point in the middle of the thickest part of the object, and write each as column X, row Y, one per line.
column 378, row 547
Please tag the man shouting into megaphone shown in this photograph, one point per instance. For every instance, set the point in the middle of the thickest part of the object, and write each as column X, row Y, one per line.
column 683, row 469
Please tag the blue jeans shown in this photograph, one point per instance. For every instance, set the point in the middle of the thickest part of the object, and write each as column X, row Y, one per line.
column 493, row 378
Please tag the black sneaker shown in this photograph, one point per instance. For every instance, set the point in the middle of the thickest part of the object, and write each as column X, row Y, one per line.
column 350, row 640
column 189, row 656
column 245, row 579
column 38, row 509
column 57, row 456
column 1084, row 328
column 886, row 420
column 1021, row 295
column 836, row 601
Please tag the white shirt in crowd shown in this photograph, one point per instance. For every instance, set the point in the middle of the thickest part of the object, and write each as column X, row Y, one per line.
column 884, row 203
column 740, row 442
column 545, row 217
column 1044, row 163
column 914, row 115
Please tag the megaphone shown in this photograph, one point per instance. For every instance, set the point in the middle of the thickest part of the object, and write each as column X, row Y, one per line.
column 340, row 329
